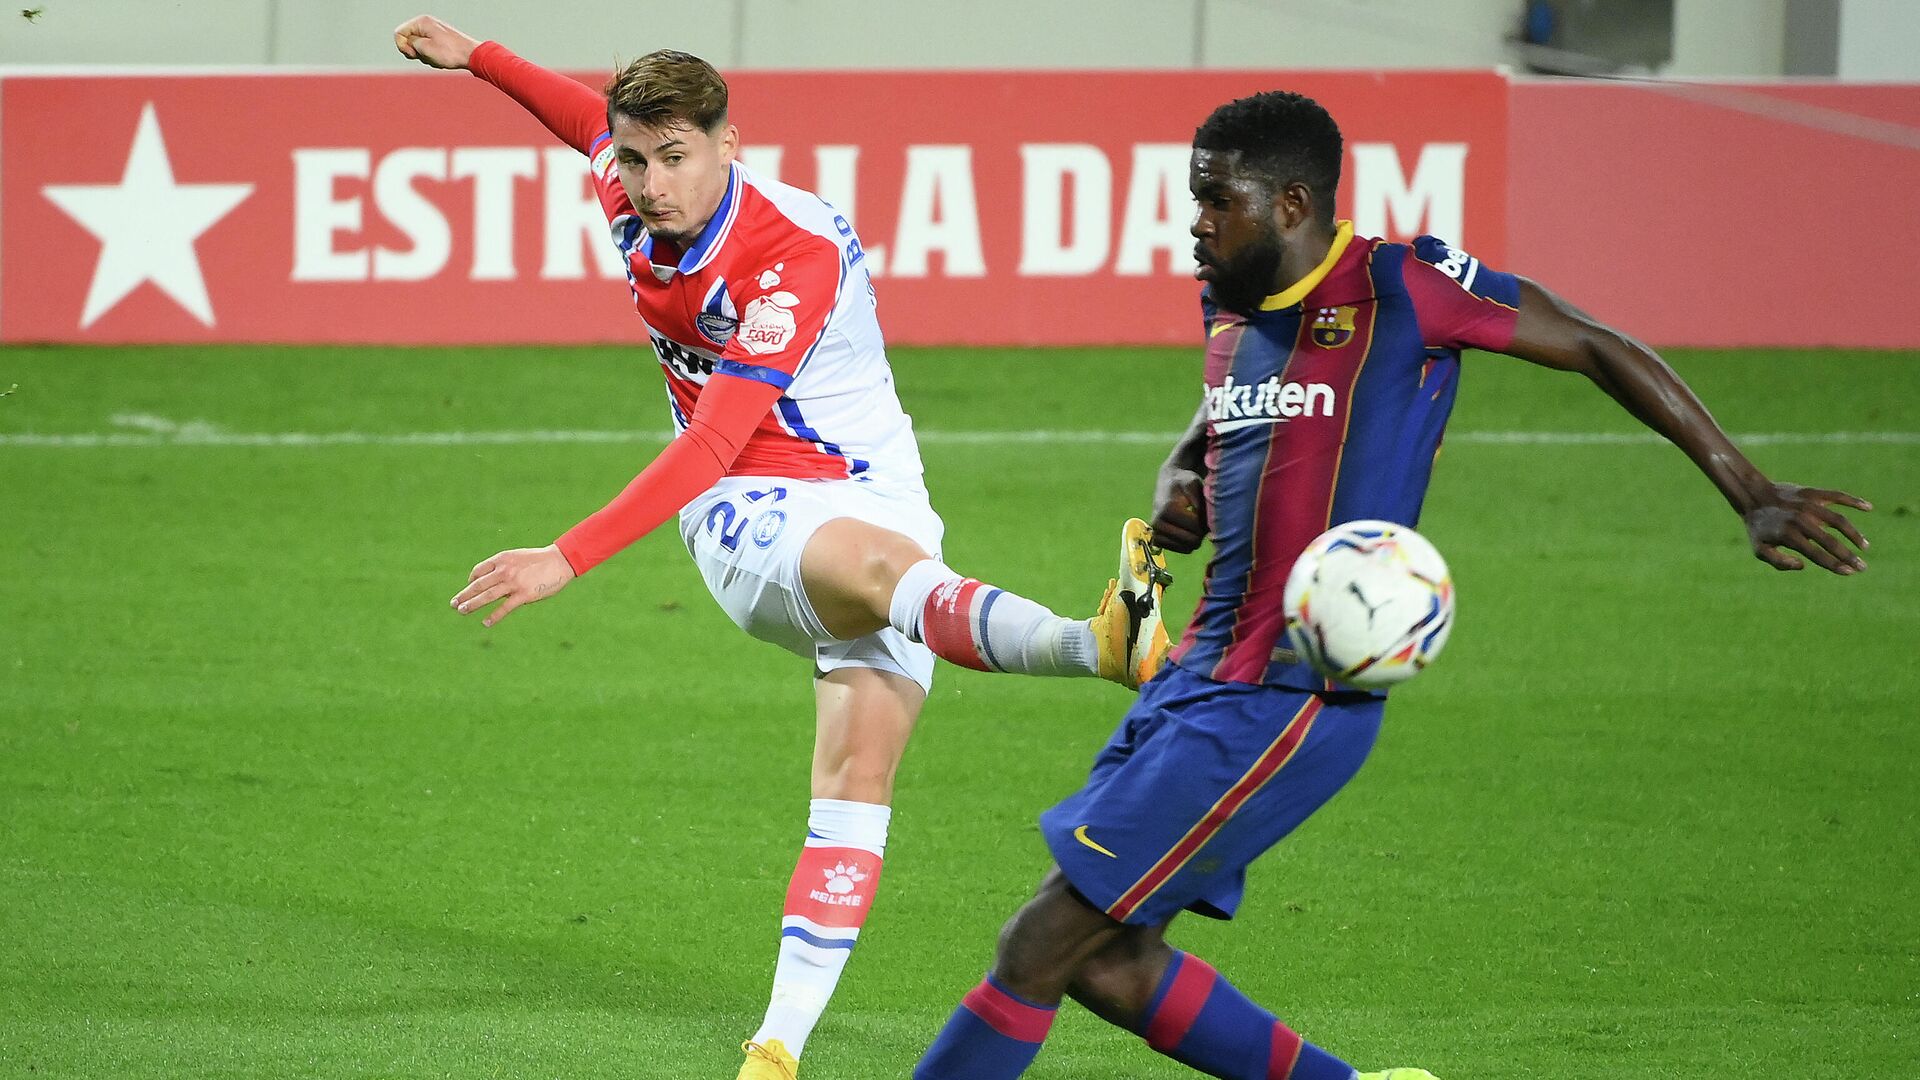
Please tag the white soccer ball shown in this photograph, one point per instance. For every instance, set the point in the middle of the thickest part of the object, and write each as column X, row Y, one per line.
column 1369, row 603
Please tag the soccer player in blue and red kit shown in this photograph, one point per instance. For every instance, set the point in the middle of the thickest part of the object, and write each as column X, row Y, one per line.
column 1331, row 365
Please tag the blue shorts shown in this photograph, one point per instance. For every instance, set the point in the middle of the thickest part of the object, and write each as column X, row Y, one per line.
column 1200, row 779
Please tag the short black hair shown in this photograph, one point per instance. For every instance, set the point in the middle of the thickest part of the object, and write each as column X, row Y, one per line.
column 1283, row 138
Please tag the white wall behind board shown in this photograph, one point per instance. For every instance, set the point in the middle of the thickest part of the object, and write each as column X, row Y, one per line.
column 1357, row 33
column 1744, row 38
column 137, row 32
column 1880, row 39
column 1740, row 38
column 564, row 33
column 737, row 34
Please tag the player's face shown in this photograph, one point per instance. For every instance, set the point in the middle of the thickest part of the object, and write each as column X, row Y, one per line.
column 675, row 176
column 1237, row 240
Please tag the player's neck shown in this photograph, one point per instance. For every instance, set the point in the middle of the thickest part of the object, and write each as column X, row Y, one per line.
column 1302, row 256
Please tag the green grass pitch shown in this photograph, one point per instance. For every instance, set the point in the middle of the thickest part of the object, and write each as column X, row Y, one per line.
column 268, row 809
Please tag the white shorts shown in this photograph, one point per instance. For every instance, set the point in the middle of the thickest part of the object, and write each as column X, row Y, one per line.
column 746, row 534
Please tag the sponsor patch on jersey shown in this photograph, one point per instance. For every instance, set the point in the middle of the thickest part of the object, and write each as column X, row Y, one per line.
column 1234, row 405
column 768, row 326
column 766, row 528
column 1449, row 260
column 716, row 327
column 603, row 161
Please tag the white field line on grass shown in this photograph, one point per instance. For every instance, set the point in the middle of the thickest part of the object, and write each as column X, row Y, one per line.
column 154, row 431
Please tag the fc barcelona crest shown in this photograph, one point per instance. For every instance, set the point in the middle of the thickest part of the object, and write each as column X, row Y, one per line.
column 1333, row 327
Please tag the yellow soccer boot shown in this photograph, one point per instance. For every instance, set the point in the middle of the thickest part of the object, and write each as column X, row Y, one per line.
column 768, row 1061
column 1127, row 630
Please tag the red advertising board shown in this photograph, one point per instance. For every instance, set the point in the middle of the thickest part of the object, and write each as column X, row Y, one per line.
column 1721, row 214
column 999, row 208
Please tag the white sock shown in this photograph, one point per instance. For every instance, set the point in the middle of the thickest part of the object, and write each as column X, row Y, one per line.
column 910, row 593
column 827, row 902
column 976, row 625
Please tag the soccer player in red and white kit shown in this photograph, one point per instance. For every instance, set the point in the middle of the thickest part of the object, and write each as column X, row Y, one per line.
column 794, row 472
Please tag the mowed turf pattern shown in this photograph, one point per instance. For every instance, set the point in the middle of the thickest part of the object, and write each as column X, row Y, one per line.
column 269, row 809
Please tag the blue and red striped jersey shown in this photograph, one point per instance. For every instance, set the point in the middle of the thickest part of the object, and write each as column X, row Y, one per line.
column 1327, row 406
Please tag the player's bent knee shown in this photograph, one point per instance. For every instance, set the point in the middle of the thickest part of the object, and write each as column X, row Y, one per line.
column 865, row 556
column 889, row 556
column 849, row 570
column 1118, row 981
column 1043, row 947
column 1023, row 962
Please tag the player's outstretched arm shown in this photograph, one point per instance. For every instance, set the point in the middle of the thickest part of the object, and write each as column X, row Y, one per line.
column 1179, row 493
column 574, row 113
column 434, row 43
column 729, row 410
column 1785, row 522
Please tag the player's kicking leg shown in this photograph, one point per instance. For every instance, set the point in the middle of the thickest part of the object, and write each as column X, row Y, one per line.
column 860, row 577
column 865, row 717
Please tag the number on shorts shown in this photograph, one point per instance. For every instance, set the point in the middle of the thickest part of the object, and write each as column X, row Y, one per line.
column 724, row 519
column 730, row 523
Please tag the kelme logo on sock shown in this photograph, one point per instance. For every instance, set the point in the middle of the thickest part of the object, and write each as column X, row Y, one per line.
column 841, row 880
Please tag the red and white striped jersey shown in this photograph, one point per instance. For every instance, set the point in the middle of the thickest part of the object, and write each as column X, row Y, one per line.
column 772, row 299
column 774, row 289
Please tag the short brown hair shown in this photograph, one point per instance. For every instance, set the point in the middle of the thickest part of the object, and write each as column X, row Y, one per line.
column 668, row 88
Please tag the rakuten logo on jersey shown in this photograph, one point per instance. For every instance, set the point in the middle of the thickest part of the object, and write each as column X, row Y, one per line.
column 1236, row 405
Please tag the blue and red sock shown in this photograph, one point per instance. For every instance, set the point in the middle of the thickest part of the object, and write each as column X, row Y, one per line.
column 993, row 1035
column 1198, row 1019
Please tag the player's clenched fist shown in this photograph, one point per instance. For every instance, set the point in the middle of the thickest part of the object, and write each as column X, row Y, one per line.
column 433, row 43
column 1179, row 510
column 515, row 577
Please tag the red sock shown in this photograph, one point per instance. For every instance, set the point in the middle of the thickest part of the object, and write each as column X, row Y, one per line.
column 954, row 623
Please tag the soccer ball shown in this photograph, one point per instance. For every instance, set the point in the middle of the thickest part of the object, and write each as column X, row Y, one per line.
column 1369, row 603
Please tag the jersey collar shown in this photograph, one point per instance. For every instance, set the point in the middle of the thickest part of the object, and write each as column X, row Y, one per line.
column 1342, row 236
column 708, row 243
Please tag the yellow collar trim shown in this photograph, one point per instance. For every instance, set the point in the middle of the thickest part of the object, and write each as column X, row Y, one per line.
column 1342, row 236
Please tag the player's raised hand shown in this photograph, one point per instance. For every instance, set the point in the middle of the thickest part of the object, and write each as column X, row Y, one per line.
column 515, row 577
column 1801, row 519
column 433, row 43
column 1179, row 510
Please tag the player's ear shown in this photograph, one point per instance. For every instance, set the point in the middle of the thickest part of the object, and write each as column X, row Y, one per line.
column 729, row 143
column 1292, row 204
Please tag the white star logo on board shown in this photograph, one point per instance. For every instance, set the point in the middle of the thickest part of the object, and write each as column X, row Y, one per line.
column 147, row 225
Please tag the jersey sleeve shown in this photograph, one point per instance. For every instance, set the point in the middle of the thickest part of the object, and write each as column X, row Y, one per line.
column 577, row 116
column 1459, row 301
column 784, row 309
column 574, row 113
column 726, row 416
